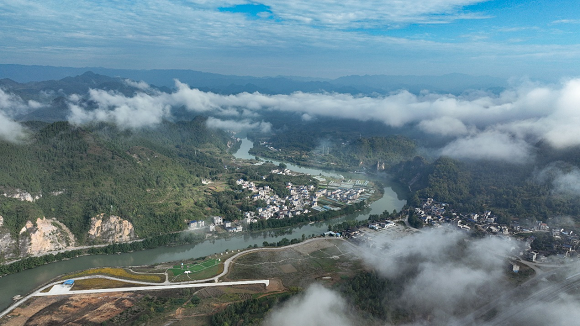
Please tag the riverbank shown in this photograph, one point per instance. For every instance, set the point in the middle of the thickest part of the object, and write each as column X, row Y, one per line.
column 54, row 286
column 27, row 280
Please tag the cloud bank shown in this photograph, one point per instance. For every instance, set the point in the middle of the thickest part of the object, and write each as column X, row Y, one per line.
column 446, row 278
column 445, row 273
column 238, row 126
column 479, row 125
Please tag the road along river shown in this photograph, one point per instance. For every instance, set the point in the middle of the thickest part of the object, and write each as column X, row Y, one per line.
column 26, row 281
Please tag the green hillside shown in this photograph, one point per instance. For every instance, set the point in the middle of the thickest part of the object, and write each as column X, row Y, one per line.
column 512, row 191
column 151, row 176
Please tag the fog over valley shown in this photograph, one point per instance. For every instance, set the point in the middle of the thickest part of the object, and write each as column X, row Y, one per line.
column 268, row 162
column 475, row 125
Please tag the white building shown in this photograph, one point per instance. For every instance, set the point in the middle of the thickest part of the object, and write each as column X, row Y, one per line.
column 218, row 220
column 194, row 225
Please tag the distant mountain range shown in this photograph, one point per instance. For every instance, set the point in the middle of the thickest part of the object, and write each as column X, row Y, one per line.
column 229, row 84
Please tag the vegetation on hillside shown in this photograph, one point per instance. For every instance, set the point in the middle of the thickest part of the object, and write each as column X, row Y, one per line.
column 511, row 191
column 150, row 177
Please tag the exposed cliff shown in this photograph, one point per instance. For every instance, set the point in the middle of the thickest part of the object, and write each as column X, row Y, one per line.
column 8, row 246
column 47, row 235
column 110, row 229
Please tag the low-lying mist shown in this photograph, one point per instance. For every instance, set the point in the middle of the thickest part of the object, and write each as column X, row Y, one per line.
column 476, row 125
column 446, row 277
column 479, row 125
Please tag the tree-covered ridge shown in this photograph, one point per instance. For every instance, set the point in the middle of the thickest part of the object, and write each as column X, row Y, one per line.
column 342, row 152
column 149, row 176
column 373, row 150
column 512, row 191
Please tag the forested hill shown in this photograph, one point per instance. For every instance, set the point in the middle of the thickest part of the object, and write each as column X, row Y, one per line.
column 149, row 176
column 527, row 192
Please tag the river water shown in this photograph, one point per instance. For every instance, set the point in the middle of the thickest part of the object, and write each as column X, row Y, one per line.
column 24, row 282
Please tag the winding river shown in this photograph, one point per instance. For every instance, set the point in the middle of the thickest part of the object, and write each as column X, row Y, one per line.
column 24, row 282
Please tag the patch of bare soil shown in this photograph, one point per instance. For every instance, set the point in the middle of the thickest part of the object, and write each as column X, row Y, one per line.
column 275, row 285
column 288, row 268
column 90, row 309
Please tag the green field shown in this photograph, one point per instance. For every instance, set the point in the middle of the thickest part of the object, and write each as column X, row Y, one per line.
column 194, row 268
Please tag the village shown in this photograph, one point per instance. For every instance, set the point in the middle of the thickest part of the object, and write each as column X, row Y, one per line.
column 302, row 199
column 541, row 239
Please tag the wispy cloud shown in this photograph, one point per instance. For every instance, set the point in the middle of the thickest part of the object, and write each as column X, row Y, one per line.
column 11, row 130
column 237, row 126
column 566, row 21
column 304, row 34
column 564, row 178
column 12, row 105
column 447, row 276
column 317, row 306
column 351, row 14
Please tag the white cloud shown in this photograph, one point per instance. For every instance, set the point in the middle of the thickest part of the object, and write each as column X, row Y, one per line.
column 443, row 273
column 11, row 130
column 164, row 34
column 237, row 126
column 370, row 13
column 317, row 306
column 486, row 126
column 138, row 111
column 566, row 21
column 489, row 145
column 137, row 84
column 12, row 105
column 445, row 126
column 564, row 178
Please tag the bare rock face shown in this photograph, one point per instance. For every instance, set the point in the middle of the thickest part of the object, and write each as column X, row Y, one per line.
column 46, row 236
column 8, row 246
column 111, row 229
column 21, row 195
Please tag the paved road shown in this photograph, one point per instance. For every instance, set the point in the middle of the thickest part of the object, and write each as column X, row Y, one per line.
column 165, row 285
column 154, row 287
column 229, row 261
column 149, row 287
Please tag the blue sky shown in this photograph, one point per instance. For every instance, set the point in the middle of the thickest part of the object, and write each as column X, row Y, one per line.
column 324, row 38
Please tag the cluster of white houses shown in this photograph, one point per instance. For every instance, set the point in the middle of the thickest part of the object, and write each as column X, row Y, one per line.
column 295, row 204
column 284, row 172
column 302, row 200
column 216, row 221
column 434, row 214
column 347, row 196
